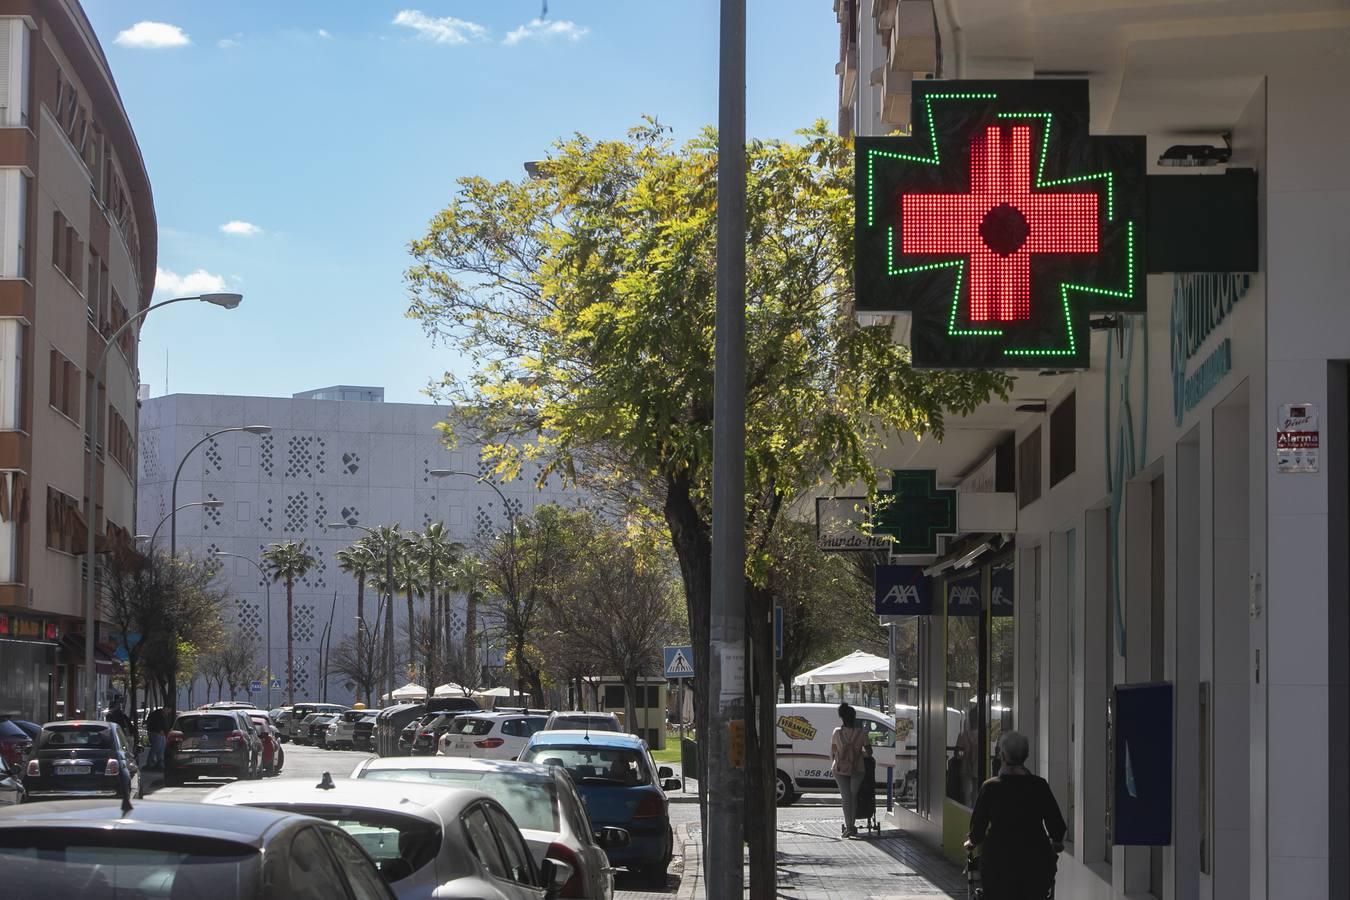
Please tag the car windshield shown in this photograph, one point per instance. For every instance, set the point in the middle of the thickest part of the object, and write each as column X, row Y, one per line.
column 470, row 725
column 400, row 845
column 581, row 723
column 206, row 724
column 61, row 736
column 594, row 765
column 42, row 863
column 532, row 801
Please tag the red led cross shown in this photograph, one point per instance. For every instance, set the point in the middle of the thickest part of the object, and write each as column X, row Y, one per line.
column 999, row 224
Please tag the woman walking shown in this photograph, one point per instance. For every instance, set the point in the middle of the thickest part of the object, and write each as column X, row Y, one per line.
column 848, row 749
column 1018, row 827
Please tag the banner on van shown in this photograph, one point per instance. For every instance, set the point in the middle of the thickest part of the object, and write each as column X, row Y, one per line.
column 797, row 728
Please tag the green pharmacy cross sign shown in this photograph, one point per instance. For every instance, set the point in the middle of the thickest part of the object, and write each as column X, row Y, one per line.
column 914, row 512
column 1000, row 224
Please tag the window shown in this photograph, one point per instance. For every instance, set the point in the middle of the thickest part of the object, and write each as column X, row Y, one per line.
column 13, row 334
column 63, row 390
column 908, row 722
column 366, row 884
column 1063, row 440
column 965, row 620
column 513, row 847
column 532, row 802
column 482, row 842
column 67, row 249
column 13, row 217
column 313, row 875
column 614, row 698
column 121, row 442
column 65, row 523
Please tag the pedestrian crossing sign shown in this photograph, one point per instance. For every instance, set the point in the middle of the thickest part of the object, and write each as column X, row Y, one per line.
column 276, row 685
column 679, row 662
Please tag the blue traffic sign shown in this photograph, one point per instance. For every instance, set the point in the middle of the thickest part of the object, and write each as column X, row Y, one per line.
column 255, row 687
column 275, row 685
column 679, row 662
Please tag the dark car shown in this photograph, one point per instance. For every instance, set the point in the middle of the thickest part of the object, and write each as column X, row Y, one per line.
column 15, row 744
column 88, row 848
column 408, row 736
column 81, row 759
column 428, row 735
column 273, row 757
column 389, row 724
column 211, row 743
column 363, row 731
column 289, row 722
column 318, row 730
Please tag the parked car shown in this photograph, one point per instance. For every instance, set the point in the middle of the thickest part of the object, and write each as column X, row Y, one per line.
column 802, row 737
column 427, row 841
column 11, row 788
column 579, row 720
column 363, row 731
column 389, row 724
column 81, row 759
column 541, row 800
column 408, row 736
column 227, row 704
column 15, row 744
column 341, row 732
column 32, row 729
column 91, row 848
column 493, row 735
column 426, row 739
column 453, row 704
column 318, row 729
column 211, row 743
column 621, row 787
column 291, row 719
column 273, row 757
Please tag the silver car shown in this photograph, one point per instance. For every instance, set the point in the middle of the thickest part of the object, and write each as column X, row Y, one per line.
column 541, row 799
column 428, row 842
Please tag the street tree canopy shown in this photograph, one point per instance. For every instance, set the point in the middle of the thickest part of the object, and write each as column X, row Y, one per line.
column 583, row 300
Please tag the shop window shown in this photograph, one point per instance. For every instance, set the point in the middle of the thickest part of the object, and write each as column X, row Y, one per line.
column 1063, row 440
column 965, row 621
column 1029, row 469
column 908, row 721
column 998, row 708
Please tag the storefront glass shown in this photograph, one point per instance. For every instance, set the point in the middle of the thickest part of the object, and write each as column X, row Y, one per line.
column 908, row 722
column 998, row 708
column 24, row 681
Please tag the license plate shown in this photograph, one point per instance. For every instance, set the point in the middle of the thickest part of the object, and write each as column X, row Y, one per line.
column 73, row 770
column 206, row 761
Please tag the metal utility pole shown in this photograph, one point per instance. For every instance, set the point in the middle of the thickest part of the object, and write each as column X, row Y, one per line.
column 725, row 834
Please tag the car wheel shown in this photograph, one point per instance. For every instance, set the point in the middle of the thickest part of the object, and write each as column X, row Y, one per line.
column 783, row 793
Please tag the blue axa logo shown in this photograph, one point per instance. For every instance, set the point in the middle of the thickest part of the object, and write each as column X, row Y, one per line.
column 963, row 596
column 902, row 594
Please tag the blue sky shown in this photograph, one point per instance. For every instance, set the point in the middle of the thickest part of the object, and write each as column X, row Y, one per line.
column 336, row 129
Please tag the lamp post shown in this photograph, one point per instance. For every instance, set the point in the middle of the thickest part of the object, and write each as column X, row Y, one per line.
column 204, row 504
column 389, row 594
column 173, row 494
column 267, row 587
column 92, row 411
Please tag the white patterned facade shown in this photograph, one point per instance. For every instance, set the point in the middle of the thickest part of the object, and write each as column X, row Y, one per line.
column 325, row 461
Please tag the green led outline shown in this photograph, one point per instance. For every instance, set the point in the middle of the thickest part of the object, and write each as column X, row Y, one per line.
column 873, row 152
column 1126, row 294
column 1108, row 175
column 960, row 266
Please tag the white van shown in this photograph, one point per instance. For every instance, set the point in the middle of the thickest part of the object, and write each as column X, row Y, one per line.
column 802, row 738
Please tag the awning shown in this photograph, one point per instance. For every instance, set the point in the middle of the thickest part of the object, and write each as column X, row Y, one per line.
column 104, row 661
column 855, row 668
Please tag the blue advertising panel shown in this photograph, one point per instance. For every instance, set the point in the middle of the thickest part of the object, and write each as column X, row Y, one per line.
column 902, row 591
column 964, row 597
column 1002, row 584
column 1143, row 776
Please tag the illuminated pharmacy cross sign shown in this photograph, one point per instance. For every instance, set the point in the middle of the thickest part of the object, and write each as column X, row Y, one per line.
column 914, row 512
column 999, row 224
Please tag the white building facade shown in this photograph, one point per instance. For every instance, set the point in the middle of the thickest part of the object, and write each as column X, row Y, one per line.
column 1161, row 534
column 325, row 461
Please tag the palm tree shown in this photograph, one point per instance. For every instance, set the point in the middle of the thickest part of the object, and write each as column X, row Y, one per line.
column 411, row 578
column 438, row 555
column 358, row 561
column 469, row 578
column 287, row 561
column 385, row 543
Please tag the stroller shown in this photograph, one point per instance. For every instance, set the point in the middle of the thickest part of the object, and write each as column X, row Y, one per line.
column 866, row 807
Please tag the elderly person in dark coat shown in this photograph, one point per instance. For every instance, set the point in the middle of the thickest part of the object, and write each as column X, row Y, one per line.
column 1018, row 827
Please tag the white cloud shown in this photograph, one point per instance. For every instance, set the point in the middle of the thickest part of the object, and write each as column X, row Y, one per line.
column 443, row 30
column 227, row 43
column 201, row 281
column 241, row 228
column 546, row 30
column 323, row 33
column 152, row 36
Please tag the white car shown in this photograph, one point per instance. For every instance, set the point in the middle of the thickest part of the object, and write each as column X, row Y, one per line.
column 342, row 729
column 541, row 800
column 493, row 735
column 429, row 843
column 579, row 720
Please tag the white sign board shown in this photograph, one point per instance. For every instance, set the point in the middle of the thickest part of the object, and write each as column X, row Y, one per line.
column 1298, row 438
column 840, row 525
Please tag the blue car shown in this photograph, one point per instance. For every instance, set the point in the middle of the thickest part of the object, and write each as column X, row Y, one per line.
column 620, row 787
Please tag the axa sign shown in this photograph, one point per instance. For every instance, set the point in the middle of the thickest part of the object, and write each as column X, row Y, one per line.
column 902, row 591
column 963, row 595
column 1199, row 304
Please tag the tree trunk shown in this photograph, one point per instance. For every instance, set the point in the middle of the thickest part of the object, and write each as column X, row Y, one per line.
column 360, row 625
column 630, row 703
column 691, row 537
column 434, row 623
column 290, row 641
column 412, row 636
column 471, row 636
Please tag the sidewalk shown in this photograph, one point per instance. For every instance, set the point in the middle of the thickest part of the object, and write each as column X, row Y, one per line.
column 814, row 863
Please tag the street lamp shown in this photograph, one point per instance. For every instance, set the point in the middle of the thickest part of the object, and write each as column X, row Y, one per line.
column 204, row 504
column 92, row 411
column 267, row 586
column 389, row 592
column 173, row 494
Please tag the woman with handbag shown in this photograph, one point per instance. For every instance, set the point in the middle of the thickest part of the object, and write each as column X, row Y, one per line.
column 1018, row 827
column 848, row 748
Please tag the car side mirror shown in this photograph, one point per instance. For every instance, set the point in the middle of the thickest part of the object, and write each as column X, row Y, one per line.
column 665, row 772
column 555, row 873
column 609, row 837
column 670, row 784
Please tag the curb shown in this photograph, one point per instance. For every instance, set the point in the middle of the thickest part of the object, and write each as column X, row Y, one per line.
column 691, row 874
